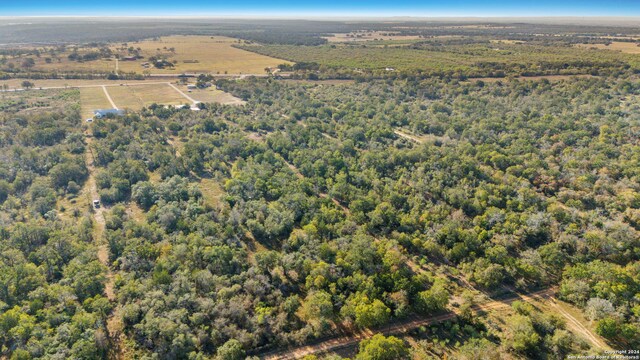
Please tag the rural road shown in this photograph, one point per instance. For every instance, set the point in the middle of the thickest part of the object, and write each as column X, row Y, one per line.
column 183, row 94
column 410, row 324
column 98, row 215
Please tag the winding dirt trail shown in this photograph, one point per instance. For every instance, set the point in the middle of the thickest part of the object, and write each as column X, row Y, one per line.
column 404, row 326
column 577, row 326
column 98, row 216
column 397, row 328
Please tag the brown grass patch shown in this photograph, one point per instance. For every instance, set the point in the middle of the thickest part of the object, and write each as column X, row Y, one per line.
column 369, row 36
column 621, row 46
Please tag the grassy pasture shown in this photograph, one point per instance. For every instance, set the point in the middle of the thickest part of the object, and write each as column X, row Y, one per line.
column 91, row 95
column 211, row 54
column 369, row 36
column 92, row 98
column 136, row 97
column 621, row 46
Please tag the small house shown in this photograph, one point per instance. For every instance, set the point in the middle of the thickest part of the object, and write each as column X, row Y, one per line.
column 100, row 113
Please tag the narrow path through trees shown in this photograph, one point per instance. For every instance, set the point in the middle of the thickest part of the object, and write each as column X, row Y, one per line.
column 113, row 322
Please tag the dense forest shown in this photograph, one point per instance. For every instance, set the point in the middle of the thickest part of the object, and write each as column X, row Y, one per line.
column 318, row 209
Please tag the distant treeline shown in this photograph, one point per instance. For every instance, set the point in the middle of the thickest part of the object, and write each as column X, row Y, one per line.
column 289, row 32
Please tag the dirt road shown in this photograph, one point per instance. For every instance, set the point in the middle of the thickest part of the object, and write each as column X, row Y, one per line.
column 98, row 216
column 396, row 328
column 106, row 93
column 114, row 326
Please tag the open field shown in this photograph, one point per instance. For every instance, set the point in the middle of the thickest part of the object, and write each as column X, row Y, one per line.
column 621, row 46
column 91, row 99
column 210, row 54
column 136, row 97
column 213, row 95
column 213, row 54
column 71, row 83
column 368, row 36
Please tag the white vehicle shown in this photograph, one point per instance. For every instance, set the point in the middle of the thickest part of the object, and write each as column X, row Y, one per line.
column 89, row 120
column 96, row 204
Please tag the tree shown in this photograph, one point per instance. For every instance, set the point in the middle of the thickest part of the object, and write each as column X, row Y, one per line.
column 64, row 173
column 5, row 189
column 365, row 312
column 231, row 350
column 597, row 309
column 522, row 337
column 27, row 84
column 317, row 310
column 28, row 63
column 144, row 193
column 433, row 300
column 380, row 347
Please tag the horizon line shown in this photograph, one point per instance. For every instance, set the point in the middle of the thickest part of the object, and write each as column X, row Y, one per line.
column 314, row 17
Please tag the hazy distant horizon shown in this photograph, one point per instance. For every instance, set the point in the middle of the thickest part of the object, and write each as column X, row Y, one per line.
column 578, row 20
column 327, row 8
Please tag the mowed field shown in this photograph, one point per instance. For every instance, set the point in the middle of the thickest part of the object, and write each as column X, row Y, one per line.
column 92, row 98
column 622, row 46
column 136, row 96
column 191, row 54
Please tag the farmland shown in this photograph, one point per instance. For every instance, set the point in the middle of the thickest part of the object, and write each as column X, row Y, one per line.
column 208, row 54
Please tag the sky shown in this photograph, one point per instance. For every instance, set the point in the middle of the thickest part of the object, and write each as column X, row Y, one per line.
column 321, row 8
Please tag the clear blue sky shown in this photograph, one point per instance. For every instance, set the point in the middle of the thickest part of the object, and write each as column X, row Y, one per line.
column 321, row 7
